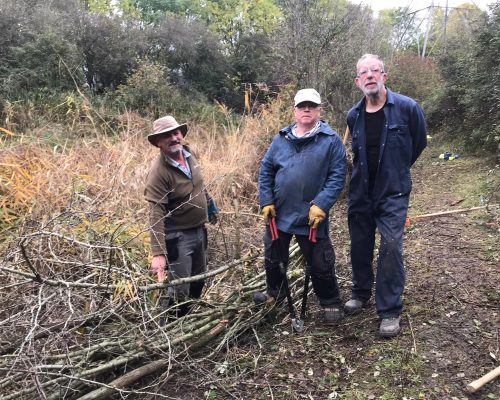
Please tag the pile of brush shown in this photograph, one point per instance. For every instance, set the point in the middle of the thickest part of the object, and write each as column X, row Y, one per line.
column 83, row 316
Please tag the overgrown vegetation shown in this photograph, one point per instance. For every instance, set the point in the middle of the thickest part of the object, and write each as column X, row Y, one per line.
column 81, row 82
column 157, row 57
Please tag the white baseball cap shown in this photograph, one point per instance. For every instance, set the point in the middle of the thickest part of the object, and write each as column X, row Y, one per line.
column 307, row 95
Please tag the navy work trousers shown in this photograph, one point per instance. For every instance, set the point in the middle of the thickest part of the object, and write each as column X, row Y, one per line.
column 390, row 275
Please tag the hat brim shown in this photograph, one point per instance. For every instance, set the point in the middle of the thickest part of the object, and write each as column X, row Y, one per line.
column 152, row 137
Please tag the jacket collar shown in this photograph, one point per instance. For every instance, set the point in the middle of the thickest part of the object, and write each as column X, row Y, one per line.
column 390, row 100
column 324, row 128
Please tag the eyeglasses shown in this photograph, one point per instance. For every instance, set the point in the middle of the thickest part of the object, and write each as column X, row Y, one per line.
column 374, row 71
column 307, row 104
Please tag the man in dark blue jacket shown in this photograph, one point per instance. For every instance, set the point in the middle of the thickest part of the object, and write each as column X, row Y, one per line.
column 301, row 177
column 388, row 134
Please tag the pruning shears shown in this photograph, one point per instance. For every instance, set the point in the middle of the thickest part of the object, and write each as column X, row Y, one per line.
column 297, row 323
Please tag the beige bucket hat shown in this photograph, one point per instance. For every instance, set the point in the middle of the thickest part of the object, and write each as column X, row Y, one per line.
column 164, row 125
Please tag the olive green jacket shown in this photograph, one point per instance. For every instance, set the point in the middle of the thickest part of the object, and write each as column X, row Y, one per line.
column 175, row 201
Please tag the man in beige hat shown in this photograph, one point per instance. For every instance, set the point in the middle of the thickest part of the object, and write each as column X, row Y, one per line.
column 179, row 207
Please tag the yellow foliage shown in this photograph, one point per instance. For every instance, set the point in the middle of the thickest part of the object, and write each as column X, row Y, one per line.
column 103, row 175
column 6, row 131
column 21, row 179
column 124, row 291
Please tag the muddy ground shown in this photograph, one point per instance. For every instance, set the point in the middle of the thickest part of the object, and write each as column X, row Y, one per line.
column 450, row 323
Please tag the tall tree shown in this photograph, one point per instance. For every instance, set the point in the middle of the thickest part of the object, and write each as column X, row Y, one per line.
column 228, row 19
column 101, row 6
column 401, row 27
column 318, row 45
column 110, row 46
column 308, row 34
column 233, row 19
column 484, row 91
column 192, row 54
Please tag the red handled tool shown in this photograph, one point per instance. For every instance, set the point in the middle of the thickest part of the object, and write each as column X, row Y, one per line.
column 312, row 234
column 273, row 228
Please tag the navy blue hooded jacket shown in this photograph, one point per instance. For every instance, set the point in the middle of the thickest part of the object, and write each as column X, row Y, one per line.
column 403, row 139
column 298, row 172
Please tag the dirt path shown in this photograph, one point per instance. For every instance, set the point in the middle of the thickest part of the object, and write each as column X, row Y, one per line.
column 450, row 323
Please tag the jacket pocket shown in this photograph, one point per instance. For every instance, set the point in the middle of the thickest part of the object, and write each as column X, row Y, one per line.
column 172, row 248
column 396, row 135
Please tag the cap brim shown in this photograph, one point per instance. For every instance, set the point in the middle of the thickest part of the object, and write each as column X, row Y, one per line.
column 307, row 101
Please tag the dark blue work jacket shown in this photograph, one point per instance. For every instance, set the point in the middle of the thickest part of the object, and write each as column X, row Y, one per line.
column 298, row 172
column 403, row 139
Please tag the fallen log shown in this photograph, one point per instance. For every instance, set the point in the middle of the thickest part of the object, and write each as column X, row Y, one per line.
column 154, row 367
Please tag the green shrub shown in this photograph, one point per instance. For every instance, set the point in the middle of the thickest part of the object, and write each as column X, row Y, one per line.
column 149, row 92
column 49, row 61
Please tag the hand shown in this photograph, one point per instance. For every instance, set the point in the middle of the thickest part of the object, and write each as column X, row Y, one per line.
column 316, row 216
column 158, row 266
column 269, row 210
column 212, row 212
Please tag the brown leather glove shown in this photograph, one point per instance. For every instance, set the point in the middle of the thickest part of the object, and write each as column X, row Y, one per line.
column 316, row 216
column 269, row 210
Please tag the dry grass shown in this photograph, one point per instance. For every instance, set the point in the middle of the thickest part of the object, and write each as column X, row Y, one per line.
column 44, row 173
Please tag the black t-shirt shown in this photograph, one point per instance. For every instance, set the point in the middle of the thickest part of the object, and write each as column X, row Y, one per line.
column 374, row 123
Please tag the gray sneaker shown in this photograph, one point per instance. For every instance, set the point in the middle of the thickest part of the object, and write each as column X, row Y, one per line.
column 389, row 327
column 332, row 315
column 353, row 306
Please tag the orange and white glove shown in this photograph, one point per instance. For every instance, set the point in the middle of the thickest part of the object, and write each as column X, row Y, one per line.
column 158, row 266
column 316, row 216
column 269, row 210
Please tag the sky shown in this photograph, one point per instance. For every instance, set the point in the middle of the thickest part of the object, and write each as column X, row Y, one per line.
column 415, row 5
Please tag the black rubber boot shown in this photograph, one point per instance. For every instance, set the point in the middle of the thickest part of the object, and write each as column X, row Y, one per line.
column 195, row 289
column 167, row 310
column 183, row 309
column 260, row 297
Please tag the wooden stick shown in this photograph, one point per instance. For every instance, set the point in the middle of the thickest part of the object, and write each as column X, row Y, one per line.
column 346, row 135
column 145, row 288
column 478, row 383
column 437, row 214
column 236, row 220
